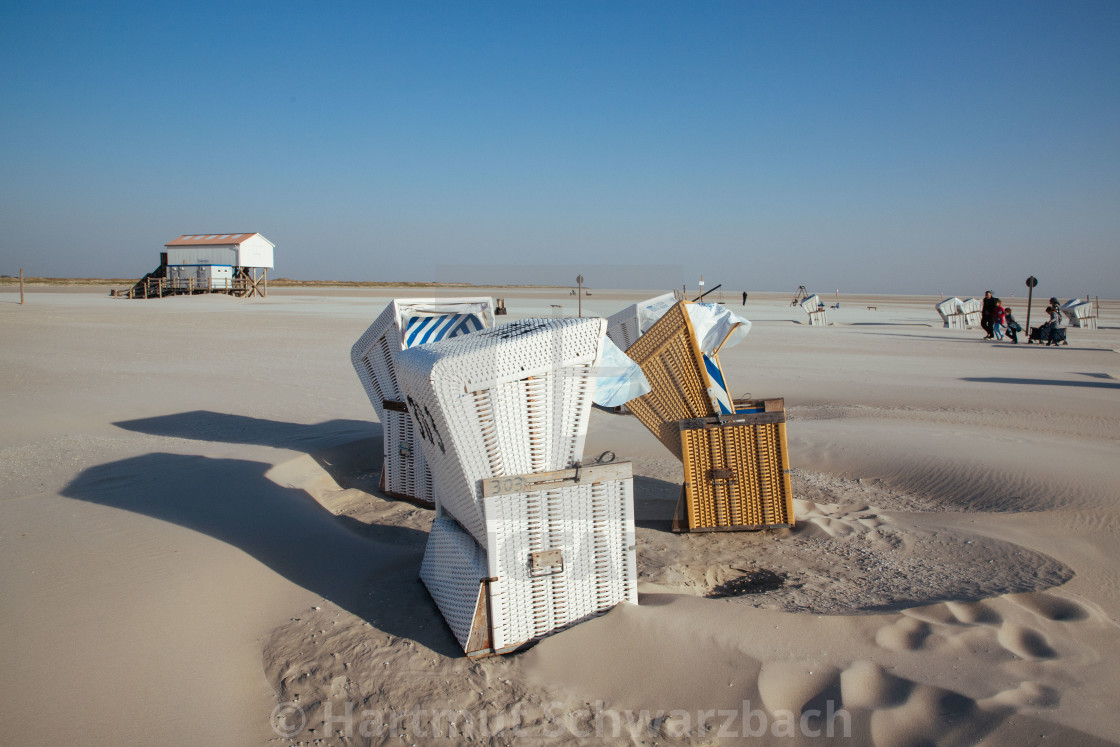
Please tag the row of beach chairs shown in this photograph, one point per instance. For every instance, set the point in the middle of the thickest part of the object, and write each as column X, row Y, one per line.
column 487, row 424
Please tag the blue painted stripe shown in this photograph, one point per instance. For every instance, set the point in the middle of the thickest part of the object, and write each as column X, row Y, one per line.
column 416, row 326
column 715, row 376
column 424, row 329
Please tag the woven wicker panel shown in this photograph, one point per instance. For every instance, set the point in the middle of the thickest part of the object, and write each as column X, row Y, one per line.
column 623, row 327
column 588, row 527
column 673, row 364
column 510, row 400
column 737, row 473
column 406, row 470
column 453, row 568
column 560, row 554
column 373, row 357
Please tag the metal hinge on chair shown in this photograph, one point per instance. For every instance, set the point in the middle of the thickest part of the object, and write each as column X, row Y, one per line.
column 546, row 562
column 722, row 474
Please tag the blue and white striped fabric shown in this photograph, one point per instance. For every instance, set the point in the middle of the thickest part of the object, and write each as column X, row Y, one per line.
column 422, row 329
column 718, row 387
column 726, row 405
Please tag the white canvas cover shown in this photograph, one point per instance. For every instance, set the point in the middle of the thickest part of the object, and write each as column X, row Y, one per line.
column 716, row 327
column 618, row 378
column 653, row 309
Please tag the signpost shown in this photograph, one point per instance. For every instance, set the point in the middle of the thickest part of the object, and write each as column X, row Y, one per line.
column 579, row 295
column 1032, row 281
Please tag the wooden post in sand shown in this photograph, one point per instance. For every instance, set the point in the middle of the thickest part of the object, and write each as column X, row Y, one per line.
column 21, row 286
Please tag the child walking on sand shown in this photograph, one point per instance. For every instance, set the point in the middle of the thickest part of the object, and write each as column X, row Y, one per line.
column 998, row 319
column 1013, row 327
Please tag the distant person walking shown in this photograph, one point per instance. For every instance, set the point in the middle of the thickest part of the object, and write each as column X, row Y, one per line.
column 744, row 298
column 998, row 319
column 987, row 313
column 1013, row 327
column 1057, row 309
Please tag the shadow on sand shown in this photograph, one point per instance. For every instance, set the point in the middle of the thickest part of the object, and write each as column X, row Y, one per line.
column 1042, row 382
column 349, row 450
column 370, row 571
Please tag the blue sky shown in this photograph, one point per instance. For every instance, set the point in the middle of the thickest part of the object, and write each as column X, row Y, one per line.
column 893, row 147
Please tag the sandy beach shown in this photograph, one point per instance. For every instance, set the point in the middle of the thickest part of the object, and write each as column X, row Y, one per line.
column 193, row 549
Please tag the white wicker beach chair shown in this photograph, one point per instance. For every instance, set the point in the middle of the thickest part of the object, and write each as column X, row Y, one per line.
column 1080, row 313
column 626, row 326
column 813, row 306
column 510, row 400
column 973, row 311
column 526, row 542
column 560, row 550
column 680, row 358
column 405, row 323
column 952, row 313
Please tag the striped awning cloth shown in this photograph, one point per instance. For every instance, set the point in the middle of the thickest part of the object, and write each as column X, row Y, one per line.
column 422, row 329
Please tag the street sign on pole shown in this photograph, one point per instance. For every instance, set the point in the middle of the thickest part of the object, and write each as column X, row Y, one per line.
column 1032, row 281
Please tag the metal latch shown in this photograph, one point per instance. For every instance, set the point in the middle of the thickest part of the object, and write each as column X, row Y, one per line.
column 546, row 562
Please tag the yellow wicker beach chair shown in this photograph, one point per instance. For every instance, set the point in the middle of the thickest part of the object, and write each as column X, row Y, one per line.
column 685, row 383
column 734, row 453
column 736, row 470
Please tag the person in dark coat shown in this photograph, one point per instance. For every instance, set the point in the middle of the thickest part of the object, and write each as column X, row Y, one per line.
column 1013, row 327
column 988, row 314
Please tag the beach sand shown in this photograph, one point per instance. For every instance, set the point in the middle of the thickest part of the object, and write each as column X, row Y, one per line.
column 193, row 549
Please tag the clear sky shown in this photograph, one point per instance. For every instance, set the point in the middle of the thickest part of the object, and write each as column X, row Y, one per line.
column 884, row 147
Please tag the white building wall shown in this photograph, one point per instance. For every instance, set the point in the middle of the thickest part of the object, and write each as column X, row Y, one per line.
column 202, row 255
column 256, row 251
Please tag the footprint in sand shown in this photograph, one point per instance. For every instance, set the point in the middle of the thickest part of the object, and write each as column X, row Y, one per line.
column 1025, row 642
column 910, row 712
column 906, row 634
column 1051, row 607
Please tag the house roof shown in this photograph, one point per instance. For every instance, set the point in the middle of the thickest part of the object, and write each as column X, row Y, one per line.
column 212, row 239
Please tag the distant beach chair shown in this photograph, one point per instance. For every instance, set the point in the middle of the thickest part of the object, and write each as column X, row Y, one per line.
column 1080, row 313
column 952, row 313
column 973, row 309
column 403, row 324
column 814, row 307
column 526, row 541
